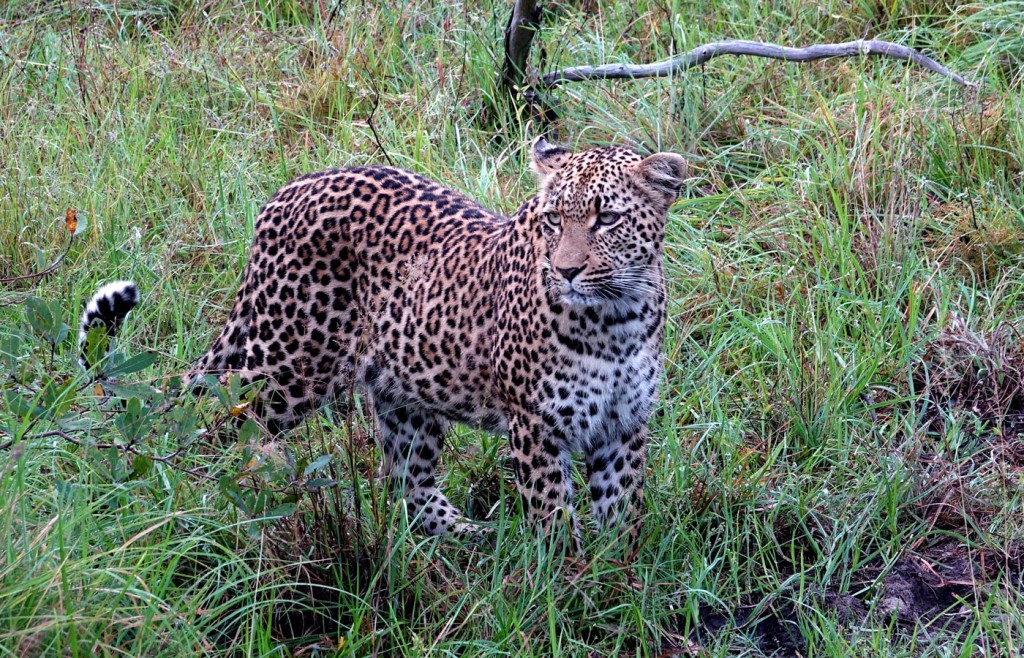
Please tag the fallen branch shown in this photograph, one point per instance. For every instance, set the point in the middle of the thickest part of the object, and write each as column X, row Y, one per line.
column 701, row 54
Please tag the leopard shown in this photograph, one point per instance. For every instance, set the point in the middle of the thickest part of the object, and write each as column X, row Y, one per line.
column 545, row 325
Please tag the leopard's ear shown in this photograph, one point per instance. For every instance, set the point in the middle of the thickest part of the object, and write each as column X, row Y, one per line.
column 663, row 174
column 547, row 158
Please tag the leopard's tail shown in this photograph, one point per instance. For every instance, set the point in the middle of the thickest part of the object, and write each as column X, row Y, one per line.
column 106, row 309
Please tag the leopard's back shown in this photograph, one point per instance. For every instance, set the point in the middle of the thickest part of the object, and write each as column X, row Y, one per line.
column 363, row 276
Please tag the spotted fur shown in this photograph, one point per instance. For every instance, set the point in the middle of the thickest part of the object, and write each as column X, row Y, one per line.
column 546, row 325
column 107, row 309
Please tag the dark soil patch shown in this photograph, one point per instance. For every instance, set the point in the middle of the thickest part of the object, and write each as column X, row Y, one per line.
column 935, row 588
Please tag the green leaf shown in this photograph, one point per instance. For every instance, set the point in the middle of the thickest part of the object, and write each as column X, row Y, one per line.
column 134, row 364
column 74, row 422
column 16, row 355
column 56, row 397
column 141, row 466
column 41, row 259
column 219, row 391
column 289, row 458
column 96, row 341
column 38, row 314
column 134, row 421
column 317, row 464
column 249, row 431
column 46, row 319
column 233, row 493
column 66, row 491
column 287, row 509
column 183, row 421
column 12, row 349
column 234, row 388
column 260, row 502
column 107, row 463
column 116, row 463
column 22, row 406
column 80, row 227
column 131, row 390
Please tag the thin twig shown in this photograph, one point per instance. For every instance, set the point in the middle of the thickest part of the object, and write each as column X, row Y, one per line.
column 701, row 54
column 20, row 65
column 42, row 273
column 373, row 129
column 87, row 103
column 124, row 448
column 169, row 460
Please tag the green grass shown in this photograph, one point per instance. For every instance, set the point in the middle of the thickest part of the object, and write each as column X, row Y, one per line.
column 843, row 213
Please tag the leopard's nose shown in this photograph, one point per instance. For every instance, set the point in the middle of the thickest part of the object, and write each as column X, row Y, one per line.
column 570, row 272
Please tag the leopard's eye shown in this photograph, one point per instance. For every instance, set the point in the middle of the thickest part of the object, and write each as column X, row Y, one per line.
column 607, row 218
column 552, row 221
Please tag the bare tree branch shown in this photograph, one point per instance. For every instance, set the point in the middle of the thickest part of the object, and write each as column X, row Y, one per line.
column 701, row 54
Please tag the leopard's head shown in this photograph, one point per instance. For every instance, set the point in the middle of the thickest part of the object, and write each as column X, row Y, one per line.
column 602, row 213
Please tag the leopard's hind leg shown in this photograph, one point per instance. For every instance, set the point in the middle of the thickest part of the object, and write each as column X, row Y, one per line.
column 411, row 440
column 298, row 366
column 228, row 351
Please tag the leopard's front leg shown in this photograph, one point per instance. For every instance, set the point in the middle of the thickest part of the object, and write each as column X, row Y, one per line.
column 615, row 469
column 542, row 462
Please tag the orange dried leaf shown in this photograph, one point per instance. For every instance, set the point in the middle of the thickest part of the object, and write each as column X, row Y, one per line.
column 71, row 219
column 237, row 410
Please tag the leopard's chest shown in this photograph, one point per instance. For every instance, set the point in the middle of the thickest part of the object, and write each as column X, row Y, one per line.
column 592, row 395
